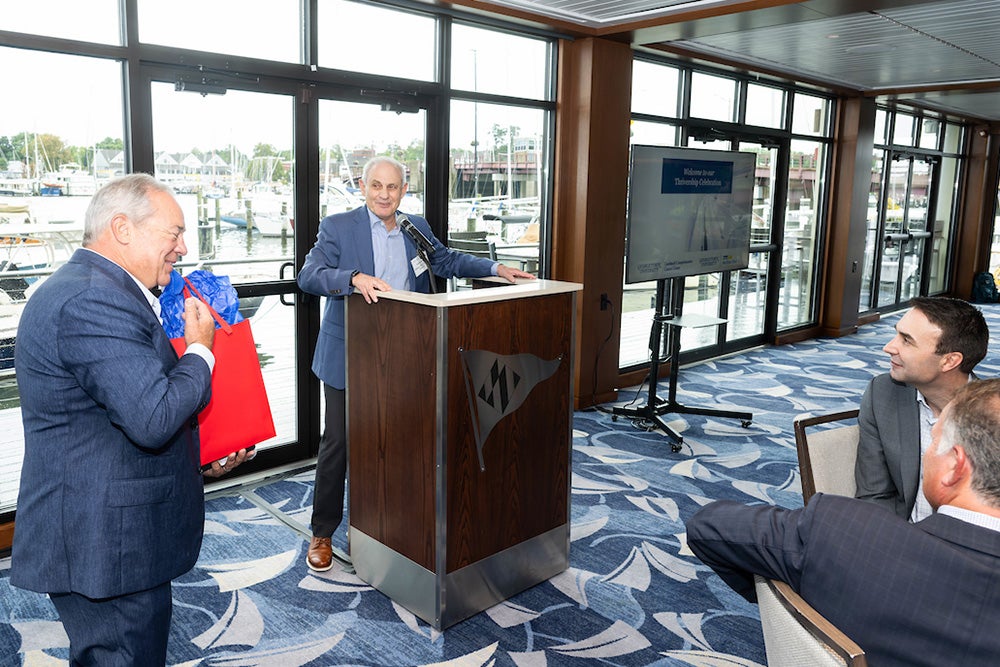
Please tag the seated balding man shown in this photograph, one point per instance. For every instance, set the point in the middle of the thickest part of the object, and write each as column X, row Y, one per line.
column 925, row 593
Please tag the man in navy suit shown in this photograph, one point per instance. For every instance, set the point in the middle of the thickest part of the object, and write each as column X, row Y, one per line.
column 936, row 346
column 111, row 502
column 925, row 593
column 365, row 251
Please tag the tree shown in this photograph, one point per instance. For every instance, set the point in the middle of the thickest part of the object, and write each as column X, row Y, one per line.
column 53, row 152
column 112, row 143
column 264, row 150
column 503, row 137
column 415, row 151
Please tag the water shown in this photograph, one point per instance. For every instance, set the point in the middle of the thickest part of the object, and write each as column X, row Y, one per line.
column 223, row 248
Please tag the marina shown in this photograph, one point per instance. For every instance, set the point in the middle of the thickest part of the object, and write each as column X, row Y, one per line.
column 40, row 232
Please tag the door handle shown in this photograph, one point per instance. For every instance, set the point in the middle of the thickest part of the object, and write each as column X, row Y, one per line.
column 281, row 276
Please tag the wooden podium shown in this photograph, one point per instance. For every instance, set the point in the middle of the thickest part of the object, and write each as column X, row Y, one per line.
column 459, row 448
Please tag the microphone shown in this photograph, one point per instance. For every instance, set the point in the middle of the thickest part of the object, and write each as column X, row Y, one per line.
column 415, row 234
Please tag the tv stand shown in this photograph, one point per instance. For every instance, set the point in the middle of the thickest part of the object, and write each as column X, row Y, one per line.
column 655, row 406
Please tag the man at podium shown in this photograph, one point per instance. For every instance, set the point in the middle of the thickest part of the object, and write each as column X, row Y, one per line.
column 374, row 248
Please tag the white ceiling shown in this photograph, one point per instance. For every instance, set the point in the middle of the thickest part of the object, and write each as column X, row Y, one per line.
column 941, row 54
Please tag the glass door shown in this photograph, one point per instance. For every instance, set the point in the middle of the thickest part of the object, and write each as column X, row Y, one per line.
column 229, row 155
column 905, row 233
column 748, row 298
column 748, row 287
column 350, row 133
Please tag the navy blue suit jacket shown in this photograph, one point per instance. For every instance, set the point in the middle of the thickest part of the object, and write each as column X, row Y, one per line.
column 111, row 498
column 908, row 594
column 344, row 244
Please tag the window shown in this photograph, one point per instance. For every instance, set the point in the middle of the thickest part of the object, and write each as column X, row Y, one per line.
column 232, row 156
column 235, row 152
column 942, row 229
column 902, row 129
column 499, row 153
column 639, row 299
column 52, row 156
column 92, row 21
column 655, row 88
column 911, row 209
column 252, row 28
column 806, row 188
column 349, row 34
column 490, row 61
column 769, row 295
column 765, row 106
column 930, row 133
column 811, row 115
column 652, row 134
column 713, row 97
column 498, row 172
column 881, row 125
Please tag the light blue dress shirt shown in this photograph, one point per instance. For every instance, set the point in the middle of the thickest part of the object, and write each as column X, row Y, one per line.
column 389, row 251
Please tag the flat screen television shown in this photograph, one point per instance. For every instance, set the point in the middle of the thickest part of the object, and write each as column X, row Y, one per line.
column 689, row 212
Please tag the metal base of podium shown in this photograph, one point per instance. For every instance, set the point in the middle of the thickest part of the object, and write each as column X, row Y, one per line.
column 445, row 599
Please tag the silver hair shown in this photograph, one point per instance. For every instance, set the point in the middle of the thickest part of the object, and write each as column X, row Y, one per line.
column 973, row 421
column 383, row 159
column 129, row 195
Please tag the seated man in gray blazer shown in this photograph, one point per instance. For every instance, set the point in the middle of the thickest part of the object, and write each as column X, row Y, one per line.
column 908, row 594
column 936, row 346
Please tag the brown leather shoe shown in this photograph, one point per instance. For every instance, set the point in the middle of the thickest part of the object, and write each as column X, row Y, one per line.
column 320, row 557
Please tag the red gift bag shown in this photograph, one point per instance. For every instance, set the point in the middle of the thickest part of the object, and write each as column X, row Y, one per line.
column 238, row 416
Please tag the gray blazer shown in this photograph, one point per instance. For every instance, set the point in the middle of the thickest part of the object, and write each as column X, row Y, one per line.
column 111, row 499
column 887, row 470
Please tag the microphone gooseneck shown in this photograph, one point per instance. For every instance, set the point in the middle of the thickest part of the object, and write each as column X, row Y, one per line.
column 424, row 247
column 415, row 234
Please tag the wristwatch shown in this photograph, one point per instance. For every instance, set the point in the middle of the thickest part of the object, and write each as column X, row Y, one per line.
column 353, row 273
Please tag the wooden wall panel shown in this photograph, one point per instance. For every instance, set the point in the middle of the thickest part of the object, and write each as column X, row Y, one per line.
column 591, row 181
column 975, row 226
column 843, row 261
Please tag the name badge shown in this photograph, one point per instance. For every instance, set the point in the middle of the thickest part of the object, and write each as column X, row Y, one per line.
column 418, row 266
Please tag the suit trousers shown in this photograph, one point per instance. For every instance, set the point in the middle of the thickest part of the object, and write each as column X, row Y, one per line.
column 331, row 465
column 125, row 631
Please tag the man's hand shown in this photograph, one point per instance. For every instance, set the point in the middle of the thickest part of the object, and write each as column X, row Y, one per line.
column 221, row 467
column 199, row 325
column 509, row 274
column 369, row 285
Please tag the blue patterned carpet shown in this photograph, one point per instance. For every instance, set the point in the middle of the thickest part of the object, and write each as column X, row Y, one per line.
column 634, row 594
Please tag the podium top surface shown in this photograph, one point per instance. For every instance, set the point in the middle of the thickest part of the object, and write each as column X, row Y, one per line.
column 502, row 292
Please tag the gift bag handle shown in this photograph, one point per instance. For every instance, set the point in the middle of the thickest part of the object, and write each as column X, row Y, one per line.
column 221, row 322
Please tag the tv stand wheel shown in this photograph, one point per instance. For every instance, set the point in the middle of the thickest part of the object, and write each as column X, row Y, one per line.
column 746, row 423
column 614, row 417
column 675, row 447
